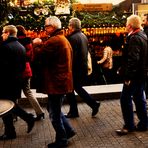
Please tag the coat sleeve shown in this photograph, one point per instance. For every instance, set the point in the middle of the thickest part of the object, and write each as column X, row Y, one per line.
column 104, row 56
column 133, row 58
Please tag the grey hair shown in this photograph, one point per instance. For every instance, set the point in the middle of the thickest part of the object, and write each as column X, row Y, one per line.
column 75, row 23
column 135, row 21
column 54, row 21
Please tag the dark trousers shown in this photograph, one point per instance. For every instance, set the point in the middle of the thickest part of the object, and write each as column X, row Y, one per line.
column 83, row 94
column 8, row 119
column 58, row 120
column 71, row 98
column 134, row 92
column 146, row 88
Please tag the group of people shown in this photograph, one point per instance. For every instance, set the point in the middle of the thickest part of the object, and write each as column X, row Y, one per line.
column 12, row 64
column 17, row 53
column 63, row 66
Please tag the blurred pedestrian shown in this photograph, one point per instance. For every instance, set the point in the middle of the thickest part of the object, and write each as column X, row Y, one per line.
column 145, row 23
column 12, row 65
column 145, row 27
column 79, row 43
column 27, row 74
column 134, row 72
column 106, row 63
column 56, row 60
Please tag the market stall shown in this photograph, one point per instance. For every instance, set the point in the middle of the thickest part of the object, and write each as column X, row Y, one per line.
column 100, row 22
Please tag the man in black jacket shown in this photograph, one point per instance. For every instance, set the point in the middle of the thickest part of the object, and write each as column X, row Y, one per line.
column 12, row 64
column 79, row 43
column 134, row 72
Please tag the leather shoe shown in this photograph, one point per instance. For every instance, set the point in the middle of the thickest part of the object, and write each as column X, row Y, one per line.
column 40, row 116
column 69, row 115
column 7, row 137
column 123, row 131
column 95, row 109
column 58, row 145
column 71, row 134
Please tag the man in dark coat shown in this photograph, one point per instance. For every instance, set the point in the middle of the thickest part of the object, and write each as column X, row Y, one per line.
column 79, row 43
column 134, row 71
column 12, row 64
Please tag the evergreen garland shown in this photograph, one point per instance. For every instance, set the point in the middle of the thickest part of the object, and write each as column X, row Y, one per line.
column 25, row 16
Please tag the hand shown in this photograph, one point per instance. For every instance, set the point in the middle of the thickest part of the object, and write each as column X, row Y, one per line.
column 127, row 82
column 98, row 62
column 37, row 41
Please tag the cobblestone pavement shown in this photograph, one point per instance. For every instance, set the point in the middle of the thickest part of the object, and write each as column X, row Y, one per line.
column 98, row 132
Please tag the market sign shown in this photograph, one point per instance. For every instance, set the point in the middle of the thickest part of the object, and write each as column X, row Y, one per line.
column 92, row 7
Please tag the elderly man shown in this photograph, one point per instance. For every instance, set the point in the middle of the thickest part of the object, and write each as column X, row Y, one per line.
column 134, row 73
column 56, row 59
column 12, row 65
column 79, row 43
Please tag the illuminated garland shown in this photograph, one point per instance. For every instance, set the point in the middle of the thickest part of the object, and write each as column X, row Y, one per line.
column 33, row 17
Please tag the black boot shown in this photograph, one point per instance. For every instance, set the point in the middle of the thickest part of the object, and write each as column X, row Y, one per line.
column 72, row 115
column 29, row 118
column 30, row 123
column 9, row 128
column 7, row 137
column 95, row 109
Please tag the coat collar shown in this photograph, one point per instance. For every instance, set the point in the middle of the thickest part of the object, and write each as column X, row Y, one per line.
column 10, row 39
column 135, row 31
column 57, row 32
column 74, row 32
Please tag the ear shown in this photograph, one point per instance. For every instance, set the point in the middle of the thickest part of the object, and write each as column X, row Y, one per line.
column 8, row 33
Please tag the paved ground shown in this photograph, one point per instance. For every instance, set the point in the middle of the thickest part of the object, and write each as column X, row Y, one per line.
column 98, row 132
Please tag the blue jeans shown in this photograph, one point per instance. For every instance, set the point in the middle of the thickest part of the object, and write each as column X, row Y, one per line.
column 58, row 120
column 134, row 93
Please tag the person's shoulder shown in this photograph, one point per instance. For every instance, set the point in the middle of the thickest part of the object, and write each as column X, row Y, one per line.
column 72, row 37
column 25, row 40
column 141, row 34
column 28, row 40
